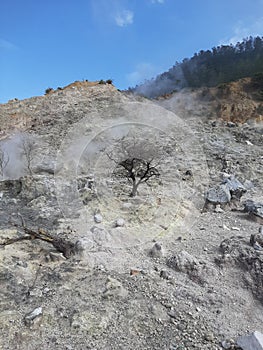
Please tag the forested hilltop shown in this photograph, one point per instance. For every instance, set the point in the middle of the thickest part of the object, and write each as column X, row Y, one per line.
column 221, row 64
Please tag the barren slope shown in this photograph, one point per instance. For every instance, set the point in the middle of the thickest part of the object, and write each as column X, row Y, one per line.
column 159, row 280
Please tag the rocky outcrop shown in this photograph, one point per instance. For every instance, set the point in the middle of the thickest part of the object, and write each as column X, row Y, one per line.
column 229, row 191
column 237, row 251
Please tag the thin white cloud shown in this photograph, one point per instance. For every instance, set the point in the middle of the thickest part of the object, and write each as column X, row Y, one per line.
column 142, row 72
column 108, row 12
column 124, row 18
column 241, row 31
column 7, row 45
column 157, row 1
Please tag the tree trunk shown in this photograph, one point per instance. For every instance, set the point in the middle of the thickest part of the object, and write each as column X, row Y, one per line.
column 134, row 189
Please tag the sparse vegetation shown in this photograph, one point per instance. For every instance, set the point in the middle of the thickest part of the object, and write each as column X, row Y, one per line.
column 108, row 81
column 28, row 150
column 49, row 90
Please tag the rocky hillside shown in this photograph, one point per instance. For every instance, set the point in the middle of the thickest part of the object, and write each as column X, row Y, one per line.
column 237, row 102
column 84, row 265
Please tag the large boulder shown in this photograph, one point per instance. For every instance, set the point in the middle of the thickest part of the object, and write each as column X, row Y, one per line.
column 235, row 187
column 218, row 195
column 230, row 190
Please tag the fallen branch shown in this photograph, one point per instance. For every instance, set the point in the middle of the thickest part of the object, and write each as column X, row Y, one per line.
column 63, row 246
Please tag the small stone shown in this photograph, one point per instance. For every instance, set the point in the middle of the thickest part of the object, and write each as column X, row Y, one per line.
column 98, row 218
column 218, row 209
column 209, row 336
column 257, row 246
column 164, row 274
column 249, row 143
column 189, row 173
column 231, row 124
column 156, row 251
column 134, row 272
column 32, row 316
column 55, row 257
column 120, row 222
column 114, row 288
column 234, row 228
column 172, row 313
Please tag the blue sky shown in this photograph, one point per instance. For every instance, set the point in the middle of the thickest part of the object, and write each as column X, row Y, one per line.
column 52, row 43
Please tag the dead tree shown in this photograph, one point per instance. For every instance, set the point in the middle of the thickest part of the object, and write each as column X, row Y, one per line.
column 137, row 171
column 137, row 161
column 4, row 160
column 28, row 149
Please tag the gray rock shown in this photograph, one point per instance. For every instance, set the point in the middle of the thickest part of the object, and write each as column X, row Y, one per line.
column 219, row 195
column 256, row 240
column 32, row 316
column 231, row 124
column 253, row 208
column 156, row 251
column 209, row 336
column 230, row 189
column 235, row 187
column 97, row 218
column 218, row 209
column 120, row 222
column 46, row 167
column 183, row 262
column 164, row 274
column 253, row 341
column 114, row 288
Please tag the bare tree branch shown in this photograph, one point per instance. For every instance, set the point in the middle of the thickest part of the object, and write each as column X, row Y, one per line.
column 28, row 149
column 135, row 161
column 4, row 160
